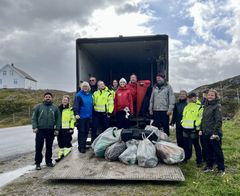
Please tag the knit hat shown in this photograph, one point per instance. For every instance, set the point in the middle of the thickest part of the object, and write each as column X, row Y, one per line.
column 123, row 80
column 192, row 94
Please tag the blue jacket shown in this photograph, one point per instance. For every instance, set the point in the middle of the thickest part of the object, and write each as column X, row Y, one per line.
column 83, row 105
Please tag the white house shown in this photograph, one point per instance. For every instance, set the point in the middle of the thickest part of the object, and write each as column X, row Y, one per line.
column 12, row 77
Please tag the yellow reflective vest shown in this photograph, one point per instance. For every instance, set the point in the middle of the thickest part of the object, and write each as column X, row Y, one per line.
column 192, row 116
column 68, row 119
column 103, row 101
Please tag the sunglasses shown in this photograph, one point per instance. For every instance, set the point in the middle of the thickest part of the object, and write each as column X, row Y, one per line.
column 91, row 80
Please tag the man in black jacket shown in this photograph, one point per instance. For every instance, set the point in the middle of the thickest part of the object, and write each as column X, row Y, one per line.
column 46, row 122
column 177, row 117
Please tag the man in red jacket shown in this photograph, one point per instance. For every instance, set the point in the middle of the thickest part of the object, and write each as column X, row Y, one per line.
column 123, row 104
column 132, row 86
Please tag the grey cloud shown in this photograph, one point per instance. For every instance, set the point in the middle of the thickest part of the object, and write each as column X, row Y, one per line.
column 126, row 8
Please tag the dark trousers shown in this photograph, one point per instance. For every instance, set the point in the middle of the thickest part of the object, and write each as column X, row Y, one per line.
column 48, row 136
column 179, row 135
column 100, row 120
column 191, row 138
column 161, row 119
column 122, row 121
column 213, row 151
column 64, row 138
column 203, row 148
column 83, row 126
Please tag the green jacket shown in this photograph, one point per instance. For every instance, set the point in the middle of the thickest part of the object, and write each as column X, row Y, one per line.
column 212, row 118
column 46, row 116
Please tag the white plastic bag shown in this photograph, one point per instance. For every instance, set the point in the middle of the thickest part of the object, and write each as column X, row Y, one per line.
column 169, row 153
column 129, row 156
column 160, row 134
column 105, row 139
column 146, row 153
column 113, row 152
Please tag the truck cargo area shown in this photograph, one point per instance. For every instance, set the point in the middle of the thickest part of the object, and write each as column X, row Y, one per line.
column 113, row 58
column 77, row 166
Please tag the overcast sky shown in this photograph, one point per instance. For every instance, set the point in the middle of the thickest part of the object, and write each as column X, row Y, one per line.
column 39, row 36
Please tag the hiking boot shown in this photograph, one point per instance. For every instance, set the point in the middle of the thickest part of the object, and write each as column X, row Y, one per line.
column 59, row 159
column 82, row 150
column 221, row 172
column 207, row 169
column 38, row 167
column 50, row 165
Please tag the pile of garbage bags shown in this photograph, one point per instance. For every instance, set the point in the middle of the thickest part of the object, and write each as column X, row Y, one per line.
column 135, row 146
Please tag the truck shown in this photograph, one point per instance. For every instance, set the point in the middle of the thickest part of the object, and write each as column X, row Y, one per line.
column 116, row 57
column 108, row 59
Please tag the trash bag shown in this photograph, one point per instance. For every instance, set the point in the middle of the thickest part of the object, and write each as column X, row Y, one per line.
column 160, row 134
column 129, row 156
column 169, row 153
column 113, row 152
column 146, row 153
column 105, row 139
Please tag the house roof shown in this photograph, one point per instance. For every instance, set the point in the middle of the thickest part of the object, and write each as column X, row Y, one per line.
column 21, row 72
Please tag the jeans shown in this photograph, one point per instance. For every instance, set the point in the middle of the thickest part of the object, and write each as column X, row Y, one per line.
column 64, row 138
column 191, row 138
column 83, row 129
column 100, row 120
column 122, row 122
column 48, row 136
column 213, row 151
column 161, row 119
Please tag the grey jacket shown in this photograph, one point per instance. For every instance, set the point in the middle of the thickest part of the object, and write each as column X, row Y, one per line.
column 162, row 99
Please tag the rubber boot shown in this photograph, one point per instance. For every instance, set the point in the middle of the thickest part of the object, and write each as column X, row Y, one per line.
column 60, row 154
column 67, row 151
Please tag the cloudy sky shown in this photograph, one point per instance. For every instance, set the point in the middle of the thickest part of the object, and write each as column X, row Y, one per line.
column 39, row 36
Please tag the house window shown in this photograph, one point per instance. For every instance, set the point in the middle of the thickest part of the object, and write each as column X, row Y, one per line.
column 11, row 73
column 15, row 81
column 4, row 73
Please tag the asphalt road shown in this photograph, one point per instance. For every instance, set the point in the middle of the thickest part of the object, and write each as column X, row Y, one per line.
column 16, row 141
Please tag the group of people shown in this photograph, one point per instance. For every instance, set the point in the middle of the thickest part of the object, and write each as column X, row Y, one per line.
column 199, row 124
column 95, row 104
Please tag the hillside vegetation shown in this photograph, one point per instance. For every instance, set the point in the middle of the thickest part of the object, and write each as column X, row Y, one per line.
column 229, row 91
column 16, row 104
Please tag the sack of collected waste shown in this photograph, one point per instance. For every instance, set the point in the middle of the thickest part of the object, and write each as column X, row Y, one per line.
column 160, row 134
column 129, row 156
column 146, row 153
column 128, row 134
column 113, row 152
column 169, row 153
column 105, row 139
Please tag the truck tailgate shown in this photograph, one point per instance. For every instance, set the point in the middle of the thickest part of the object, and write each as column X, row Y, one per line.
column 86, row 166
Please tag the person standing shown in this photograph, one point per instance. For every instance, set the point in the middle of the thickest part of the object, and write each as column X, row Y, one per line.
column 123, row 104
column 103, row 107
column 45, row 123
column 177, row 117
column 191, row 121
column 161, row 103
column 83, row 112
column 132, row 86
column 67, row 126
column 93, row 84
column 211, row 130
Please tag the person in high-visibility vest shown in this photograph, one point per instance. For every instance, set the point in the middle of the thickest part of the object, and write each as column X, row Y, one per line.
column 67, row 126
column 191, row 120
column 103, row 107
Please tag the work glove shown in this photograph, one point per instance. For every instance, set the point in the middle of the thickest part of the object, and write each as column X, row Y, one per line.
column 71, row 131
column 56, row 132
column 77, row 117
column 215, row 137
column 35, row 130
column 200, row 133
column 109, row 115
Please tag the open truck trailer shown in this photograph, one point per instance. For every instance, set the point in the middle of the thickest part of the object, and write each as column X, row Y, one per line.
column 108, row 59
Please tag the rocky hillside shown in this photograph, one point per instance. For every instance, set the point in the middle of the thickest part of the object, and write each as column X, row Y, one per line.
column 229, row 90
